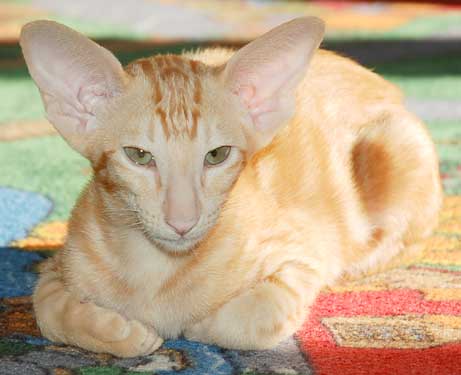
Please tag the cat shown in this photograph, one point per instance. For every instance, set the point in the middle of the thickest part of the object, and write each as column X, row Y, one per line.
column 228, row 188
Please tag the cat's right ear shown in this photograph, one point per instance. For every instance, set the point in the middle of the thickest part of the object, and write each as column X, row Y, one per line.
column 75, row 77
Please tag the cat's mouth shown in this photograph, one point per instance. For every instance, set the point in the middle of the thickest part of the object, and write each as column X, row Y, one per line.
column 182, row 244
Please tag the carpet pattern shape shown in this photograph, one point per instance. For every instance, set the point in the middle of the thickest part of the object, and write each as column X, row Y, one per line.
column 405, row 319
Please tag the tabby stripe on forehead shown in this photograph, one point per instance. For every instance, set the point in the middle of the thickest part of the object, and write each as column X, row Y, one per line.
column 162, row 115
column 195, row 117
column 160, row 61
column 158, row 92
column 197, row 92
column 176, row 64
column 171, row 70
column 148, row 71
column 194, row 66
column 147, row 68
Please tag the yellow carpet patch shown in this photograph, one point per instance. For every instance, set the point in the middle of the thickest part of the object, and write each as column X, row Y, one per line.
column 46, row 236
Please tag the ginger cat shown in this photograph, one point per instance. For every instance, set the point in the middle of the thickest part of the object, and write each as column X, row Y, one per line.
column 228, row 188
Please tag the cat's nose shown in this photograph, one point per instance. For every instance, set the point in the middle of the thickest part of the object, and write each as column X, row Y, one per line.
column 181, row 226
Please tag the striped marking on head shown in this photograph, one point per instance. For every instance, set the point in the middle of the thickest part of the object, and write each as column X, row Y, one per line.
column 176, row 92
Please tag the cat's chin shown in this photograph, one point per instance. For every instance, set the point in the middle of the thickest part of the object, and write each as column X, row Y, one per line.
column 177, row 246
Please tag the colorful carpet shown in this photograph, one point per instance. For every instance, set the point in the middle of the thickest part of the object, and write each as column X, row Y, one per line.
column 403, row 320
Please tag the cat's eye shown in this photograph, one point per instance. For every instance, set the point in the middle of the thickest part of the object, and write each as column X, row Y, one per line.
column 217, row 156
column 138, row 155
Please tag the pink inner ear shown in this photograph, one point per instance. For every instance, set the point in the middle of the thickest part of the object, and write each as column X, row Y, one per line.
column 90, row 96
column 246, row 94
column 257, row 107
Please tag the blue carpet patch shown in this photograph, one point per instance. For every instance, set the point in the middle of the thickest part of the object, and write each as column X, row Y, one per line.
column 20, row 211
column 16, row 278
column 203, row 359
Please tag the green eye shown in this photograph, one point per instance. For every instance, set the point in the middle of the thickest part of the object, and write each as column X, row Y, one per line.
column 218, row 155
column 138, row 155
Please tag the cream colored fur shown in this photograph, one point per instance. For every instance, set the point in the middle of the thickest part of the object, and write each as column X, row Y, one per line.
column 328, row 175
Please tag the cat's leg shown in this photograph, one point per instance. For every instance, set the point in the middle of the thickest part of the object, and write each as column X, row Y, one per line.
column 395, row 167
column 264, row 315
column 64, row 318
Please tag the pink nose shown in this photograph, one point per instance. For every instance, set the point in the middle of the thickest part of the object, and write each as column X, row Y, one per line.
column 181, row 226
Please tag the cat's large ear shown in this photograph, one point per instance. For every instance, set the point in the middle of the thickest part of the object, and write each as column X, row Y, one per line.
column 74, row 75
column 266, row 72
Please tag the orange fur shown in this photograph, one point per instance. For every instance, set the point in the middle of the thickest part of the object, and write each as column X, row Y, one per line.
column 348, row 183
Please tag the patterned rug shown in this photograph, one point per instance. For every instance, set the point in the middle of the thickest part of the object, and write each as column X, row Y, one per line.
column 403, row 320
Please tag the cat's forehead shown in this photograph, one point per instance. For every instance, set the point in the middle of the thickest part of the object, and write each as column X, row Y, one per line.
column 174, row 90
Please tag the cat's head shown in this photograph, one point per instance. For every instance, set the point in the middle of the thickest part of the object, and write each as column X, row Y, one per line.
column 168, row 136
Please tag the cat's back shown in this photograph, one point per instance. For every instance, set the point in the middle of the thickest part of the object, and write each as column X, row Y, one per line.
column 340, row 89
column 331, row 72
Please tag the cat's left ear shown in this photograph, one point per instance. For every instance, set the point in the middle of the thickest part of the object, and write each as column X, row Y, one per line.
column 266, row 72
column 75, row 77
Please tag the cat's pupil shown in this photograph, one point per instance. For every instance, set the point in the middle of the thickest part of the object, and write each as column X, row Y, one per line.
column 214, row 153
column 141, row 153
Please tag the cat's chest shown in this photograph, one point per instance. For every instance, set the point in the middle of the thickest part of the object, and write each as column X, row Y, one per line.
column 174, row 293
column 172, row 300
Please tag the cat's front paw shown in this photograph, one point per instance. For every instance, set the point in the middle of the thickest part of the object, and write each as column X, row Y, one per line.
column 139, row 340
column 256, row 320
column 100, row 330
